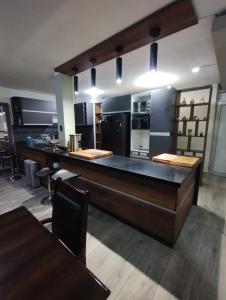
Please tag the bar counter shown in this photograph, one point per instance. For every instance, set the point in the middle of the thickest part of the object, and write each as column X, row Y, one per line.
column 154, row 197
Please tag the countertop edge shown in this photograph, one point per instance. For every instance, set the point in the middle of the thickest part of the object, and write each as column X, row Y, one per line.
column 66, row 156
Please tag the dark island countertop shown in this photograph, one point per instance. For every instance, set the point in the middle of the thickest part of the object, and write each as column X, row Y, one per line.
column 143, row 168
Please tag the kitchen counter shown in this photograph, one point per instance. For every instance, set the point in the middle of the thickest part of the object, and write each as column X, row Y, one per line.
column 142, row 168
column 153, row 197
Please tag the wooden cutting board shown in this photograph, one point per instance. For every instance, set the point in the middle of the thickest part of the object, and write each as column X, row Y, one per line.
column 90, row 153
column 178, row 160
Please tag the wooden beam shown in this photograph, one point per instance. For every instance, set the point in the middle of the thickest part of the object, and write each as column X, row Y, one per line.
column 170, row 19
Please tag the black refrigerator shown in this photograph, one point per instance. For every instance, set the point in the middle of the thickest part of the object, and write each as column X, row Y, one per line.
column 115, row 130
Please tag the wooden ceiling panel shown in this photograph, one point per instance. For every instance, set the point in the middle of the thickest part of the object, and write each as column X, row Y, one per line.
column 170, row 19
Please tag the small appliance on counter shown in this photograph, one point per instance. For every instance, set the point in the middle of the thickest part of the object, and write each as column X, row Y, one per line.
column 29, row 141
column 43, row 140
column 75, row 142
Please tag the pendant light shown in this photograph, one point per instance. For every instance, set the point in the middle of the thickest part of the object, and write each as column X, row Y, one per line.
column 93, row 73
column 153, row 78
column 76, row 84
column 118, row 50
column 154, row 33
column 94, row 91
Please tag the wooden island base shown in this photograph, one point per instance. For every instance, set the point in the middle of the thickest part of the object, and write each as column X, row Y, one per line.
column 158, row 207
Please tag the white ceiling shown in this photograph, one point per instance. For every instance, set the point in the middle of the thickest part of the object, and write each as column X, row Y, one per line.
column 36, row 36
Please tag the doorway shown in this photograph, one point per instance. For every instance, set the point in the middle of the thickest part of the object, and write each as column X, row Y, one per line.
column 6, row 135
column 218, row 153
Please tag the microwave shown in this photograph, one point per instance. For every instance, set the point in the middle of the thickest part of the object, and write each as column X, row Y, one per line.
column 141, row 122
column 142, row 106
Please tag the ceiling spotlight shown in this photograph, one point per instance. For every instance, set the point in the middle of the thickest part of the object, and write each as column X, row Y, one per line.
column 118, row 65
column 154, row 33
column 94, row 92
column 93, row 73
column 195, row 69
column 76, row 84
column 155, row 79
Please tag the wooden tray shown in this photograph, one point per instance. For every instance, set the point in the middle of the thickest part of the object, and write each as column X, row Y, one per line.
column 90, row 153
column 178, row 160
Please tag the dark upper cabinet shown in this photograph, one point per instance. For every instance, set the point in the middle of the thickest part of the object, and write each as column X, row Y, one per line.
column 116, row 104
column 83, row 113
column 162, row 110
column 28, row 111
column 31, row 118
column 34, row 104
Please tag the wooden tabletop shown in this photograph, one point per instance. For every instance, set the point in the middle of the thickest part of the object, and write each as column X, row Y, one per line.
column 91, row 153
column 35, row 265
column 177, row 160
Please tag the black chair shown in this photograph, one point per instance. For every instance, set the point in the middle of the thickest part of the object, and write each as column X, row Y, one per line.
column 69, row 217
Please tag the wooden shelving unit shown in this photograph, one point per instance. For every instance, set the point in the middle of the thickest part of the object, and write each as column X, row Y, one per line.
column 191, row 135
column 98, row 119
column 190, row 105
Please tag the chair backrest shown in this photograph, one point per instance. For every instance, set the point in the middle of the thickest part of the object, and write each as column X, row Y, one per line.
column 69, row 216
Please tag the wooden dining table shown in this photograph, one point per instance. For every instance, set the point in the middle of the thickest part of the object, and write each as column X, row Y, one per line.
column 35, row 265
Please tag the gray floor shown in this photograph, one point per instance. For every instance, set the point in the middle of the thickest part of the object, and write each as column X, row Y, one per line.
column 135, row 266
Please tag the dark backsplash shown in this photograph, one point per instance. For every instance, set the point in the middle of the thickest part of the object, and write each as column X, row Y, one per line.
column 20, row 134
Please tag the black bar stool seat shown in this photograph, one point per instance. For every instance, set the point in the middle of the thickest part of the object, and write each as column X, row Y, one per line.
column 44, row 172
column 52, row 175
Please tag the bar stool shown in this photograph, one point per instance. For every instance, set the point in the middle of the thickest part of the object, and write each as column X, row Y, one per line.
column 2, row 153
column 46, row 172
column 8, row 158
column 52, row 176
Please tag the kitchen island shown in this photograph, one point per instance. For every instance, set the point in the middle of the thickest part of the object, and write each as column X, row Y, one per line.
column 154, row 197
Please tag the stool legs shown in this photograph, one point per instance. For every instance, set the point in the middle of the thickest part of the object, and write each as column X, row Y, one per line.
column 13, row 176
column 47, row 199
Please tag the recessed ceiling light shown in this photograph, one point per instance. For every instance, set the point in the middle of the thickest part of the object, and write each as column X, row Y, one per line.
column 94, row 92
column 155, row 79
column 195, row 70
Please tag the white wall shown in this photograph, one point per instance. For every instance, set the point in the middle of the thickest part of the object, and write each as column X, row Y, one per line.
column 63, row 88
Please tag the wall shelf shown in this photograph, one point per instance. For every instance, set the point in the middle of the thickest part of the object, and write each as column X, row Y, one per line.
column 190, row 105
column 191, row 120
column 186, row 142
column 190, row 136
column 190, row 150
column 98, row 119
